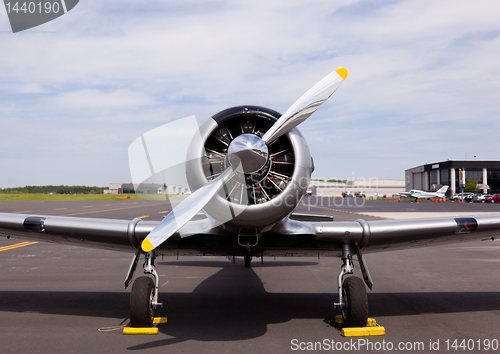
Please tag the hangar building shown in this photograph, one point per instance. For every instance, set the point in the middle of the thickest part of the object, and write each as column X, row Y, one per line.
column 431, row 177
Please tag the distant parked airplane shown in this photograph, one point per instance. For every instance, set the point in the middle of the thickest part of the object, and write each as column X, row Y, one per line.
column 417, row 194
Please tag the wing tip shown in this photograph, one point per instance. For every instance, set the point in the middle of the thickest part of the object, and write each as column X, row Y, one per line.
column 342, row 73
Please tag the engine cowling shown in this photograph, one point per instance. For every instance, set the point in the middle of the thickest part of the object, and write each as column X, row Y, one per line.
column 253, row 201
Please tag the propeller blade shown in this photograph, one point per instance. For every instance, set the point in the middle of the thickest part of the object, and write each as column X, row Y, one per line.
column 185, row 211
column 306, row 105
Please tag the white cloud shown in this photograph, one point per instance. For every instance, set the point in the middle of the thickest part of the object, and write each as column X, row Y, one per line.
column 421, row 74
column 95, row 99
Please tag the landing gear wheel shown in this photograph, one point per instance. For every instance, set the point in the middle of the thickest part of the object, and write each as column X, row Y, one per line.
column 355, row 312
column 141, row 296
column 248, row 260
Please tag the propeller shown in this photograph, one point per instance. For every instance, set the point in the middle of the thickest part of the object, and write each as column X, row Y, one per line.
column 247, row 153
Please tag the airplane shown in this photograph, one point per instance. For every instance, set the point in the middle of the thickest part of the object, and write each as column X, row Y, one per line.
column 417, row 193
column 248, row 169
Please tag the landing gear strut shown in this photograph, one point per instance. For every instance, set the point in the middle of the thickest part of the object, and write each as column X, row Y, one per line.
column 144, row 294
column 353, row 300
column 248, row 260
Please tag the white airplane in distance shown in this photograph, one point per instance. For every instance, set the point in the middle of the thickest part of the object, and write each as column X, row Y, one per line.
column 417, row 193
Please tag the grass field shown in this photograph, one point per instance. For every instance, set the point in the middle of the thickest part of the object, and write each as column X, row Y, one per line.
column 47, row 197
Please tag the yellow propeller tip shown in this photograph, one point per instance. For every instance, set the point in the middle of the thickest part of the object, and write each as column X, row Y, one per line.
column 147, row 246
column 342, row 72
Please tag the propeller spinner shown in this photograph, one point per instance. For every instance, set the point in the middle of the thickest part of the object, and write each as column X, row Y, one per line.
column 249, row 150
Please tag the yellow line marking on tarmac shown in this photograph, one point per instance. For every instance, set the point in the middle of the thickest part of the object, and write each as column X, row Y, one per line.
column 88, row 206
column 107, row 204
column 163, row 212
column 142, row 217
column 60, row 208
column 17, row 245
column 21, row 212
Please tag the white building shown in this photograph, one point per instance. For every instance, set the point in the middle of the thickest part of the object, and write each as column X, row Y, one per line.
column 372, row 186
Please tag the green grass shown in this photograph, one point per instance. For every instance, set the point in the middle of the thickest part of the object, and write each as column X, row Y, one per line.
column 48, row 197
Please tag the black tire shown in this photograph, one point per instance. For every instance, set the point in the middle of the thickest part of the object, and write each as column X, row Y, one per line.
column 141, row 296
column 248, row 261
column 355, row 313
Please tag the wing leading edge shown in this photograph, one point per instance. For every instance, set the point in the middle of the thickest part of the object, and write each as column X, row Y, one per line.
column 302, row 238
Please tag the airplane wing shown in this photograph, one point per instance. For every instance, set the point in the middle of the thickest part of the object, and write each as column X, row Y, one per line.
column 293, row 237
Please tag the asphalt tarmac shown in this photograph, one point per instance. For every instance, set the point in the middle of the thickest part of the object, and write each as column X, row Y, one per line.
column 56, row 298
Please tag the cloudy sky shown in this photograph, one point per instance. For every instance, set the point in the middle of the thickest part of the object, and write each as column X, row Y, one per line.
column 423, row 84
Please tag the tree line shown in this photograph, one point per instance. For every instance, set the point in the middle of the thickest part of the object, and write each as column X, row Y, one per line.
column 54, row 190
column 330, row 180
